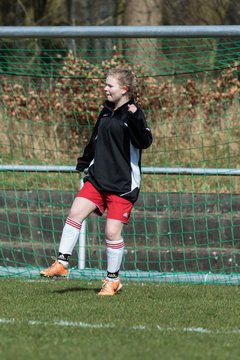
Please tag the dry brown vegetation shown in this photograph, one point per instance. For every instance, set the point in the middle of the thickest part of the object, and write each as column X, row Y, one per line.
column 194, row 123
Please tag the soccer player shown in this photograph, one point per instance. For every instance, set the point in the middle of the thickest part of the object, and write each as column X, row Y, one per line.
column 113, row 159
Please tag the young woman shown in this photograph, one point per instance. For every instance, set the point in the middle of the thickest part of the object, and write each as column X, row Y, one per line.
column 113, row 159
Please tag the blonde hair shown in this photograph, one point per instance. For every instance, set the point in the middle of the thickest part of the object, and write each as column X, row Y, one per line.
column 126, row 78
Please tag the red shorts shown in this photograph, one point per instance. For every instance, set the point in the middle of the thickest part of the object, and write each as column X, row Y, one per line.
column 117, row 207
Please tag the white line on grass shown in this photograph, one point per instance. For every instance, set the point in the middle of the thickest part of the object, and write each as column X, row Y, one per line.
column 7, row 321
column 70, row 324
column 84, row 325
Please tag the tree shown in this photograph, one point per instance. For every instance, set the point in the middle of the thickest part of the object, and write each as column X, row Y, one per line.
column 139, row 13
column 195, row 12
column 143, row 12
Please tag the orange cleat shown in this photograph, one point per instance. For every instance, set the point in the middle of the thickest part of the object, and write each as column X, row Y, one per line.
column 56, row 269
column 110, row 288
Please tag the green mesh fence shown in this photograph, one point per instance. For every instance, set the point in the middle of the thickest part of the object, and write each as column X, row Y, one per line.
column 185, row 225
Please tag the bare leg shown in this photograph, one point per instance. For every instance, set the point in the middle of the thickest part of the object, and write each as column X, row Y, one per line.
column 81, row 208
column 113, row 230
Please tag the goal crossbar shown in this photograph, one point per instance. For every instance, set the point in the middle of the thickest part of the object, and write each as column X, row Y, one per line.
column 164, row 31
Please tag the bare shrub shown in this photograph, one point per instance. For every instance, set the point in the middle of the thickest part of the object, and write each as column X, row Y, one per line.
column 52, row 123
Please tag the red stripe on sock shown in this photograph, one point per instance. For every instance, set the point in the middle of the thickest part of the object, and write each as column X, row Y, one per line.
column 73, row 223
column 115, row 246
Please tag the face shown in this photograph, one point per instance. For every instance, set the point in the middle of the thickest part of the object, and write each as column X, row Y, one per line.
column 114, row 91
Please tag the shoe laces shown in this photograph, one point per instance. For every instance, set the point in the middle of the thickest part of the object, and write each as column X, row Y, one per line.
column 54, row 259
column 108, row 283
column 105, row 283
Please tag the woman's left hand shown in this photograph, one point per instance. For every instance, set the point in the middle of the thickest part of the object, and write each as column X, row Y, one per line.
column 132, row 108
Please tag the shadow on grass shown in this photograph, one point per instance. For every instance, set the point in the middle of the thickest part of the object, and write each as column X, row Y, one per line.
column 76, row 289
column 69, row 289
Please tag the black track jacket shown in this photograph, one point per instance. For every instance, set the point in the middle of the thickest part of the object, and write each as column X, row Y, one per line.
column 113, row 154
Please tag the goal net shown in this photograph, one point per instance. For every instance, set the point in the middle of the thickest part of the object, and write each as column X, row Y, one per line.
column 185, row 225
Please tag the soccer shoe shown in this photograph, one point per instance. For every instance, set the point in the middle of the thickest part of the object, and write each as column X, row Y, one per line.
column 56, row 269
column 110, row 288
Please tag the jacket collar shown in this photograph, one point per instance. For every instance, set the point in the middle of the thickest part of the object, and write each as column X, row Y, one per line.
column 110, row 105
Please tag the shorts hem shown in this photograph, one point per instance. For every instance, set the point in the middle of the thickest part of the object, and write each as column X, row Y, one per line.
column 126, row 222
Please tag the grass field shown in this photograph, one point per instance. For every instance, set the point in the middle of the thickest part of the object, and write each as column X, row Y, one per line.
column 65, row 319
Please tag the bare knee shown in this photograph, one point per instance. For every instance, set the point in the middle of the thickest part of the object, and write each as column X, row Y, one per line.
column 74, row 215
column 81, row 208
column 112, row 235
column 113, row 230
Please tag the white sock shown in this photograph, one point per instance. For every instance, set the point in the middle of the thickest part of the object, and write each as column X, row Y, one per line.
column 115, row 251
column 70, row 235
